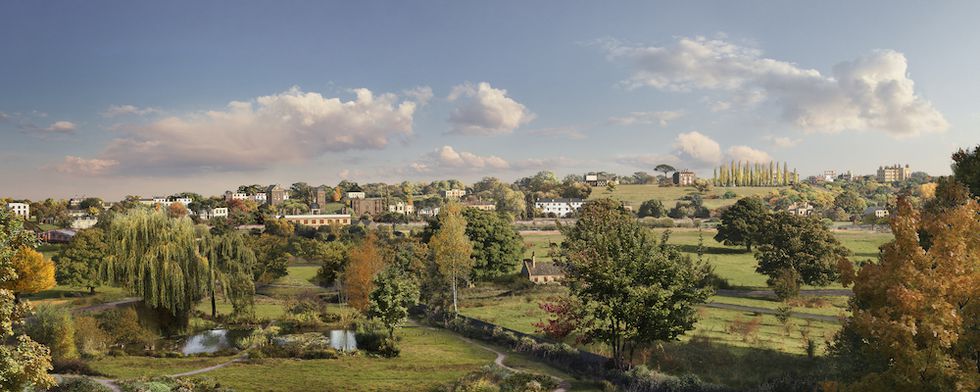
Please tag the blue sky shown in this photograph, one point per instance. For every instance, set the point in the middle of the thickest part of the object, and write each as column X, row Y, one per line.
column 114, row 98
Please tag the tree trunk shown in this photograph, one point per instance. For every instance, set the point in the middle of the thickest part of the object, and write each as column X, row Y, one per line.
column 455, row 306
column 91, row 290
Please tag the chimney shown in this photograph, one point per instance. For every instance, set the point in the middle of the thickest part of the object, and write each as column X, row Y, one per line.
column 533, row 260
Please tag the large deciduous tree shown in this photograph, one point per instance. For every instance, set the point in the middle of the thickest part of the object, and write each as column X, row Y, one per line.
column 363, row 264
column 652, row 207
column 851, row 202
column 156, row 258
column 230, row 267
column 915, row 322
column 634, row 289
column 34, row 272
column 497, row 246
column 801, row 244
column 741, row 223
column 23, row 362
column 79, row 262
column 966, row 168
column 451, row 251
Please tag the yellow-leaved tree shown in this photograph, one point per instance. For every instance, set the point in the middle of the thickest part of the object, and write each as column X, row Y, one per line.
column 34, row 272
column 916, row 312
column 358, row 278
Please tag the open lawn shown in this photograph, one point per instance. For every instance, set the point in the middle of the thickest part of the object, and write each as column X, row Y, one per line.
column 76, row 296
column 731, row 263
column 637, row 194
column 428, row 358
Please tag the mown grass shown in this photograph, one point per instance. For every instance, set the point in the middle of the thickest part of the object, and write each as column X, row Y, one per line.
column 61, row 295
column 637, row 194
column 428, row 358
column 138, row 366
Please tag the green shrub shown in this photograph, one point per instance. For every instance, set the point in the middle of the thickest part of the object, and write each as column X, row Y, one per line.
column 73, row 366
column 90, row 339
column 125, row 330
column 53, row 327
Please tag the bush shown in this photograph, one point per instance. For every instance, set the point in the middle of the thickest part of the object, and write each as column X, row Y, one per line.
column 91, row 341
column 53, row 327
column 125, row 330
column 389, row 348
column 79, row 384
column 73, row 366
column 729, row 195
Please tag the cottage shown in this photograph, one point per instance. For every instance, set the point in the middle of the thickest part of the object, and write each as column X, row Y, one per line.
column 481, row 205
column 801, row 208
column 61, row 236
column 541, row 272
column 20, row 209
column 877, row 212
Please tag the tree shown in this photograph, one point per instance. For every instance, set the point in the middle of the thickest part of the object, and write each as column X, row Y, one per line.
column 34, row 272
column 741, row 223
column 177, row 210
column 391, row 299
column 79, row 262
column 358, row 278
column 230, row 267
column 156, row 258
column 652, row 207
column 798, row 243
column 497, row 246
column 851, row 202
column 635, row 291
column 23, row 362
column 451, row 249
column 53, row 327
column 272, row 256
column 664, row 168
column 966, row 168
column 915, row 323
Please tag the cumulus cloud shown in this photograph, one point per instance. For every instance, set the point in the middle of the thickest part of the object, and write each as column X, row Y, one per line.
column 124, row 110
column 62, row 127
column 292, row 126
column 748, row 154
column 661, row 118
column 698, row 149
column 422, row 95
column 447, row 157
column 82, row 166
column 484, row 110
column 873, row 92
column 782, row 141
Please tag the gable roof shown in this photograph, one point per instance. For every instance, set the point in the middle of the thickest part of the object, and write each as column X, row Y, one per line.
column 543, row 268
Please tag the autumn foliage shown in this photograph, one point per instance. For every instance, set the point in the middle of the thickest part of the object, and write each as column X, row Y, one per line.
column 358, row 279
column 34, row 272
column 916, row 312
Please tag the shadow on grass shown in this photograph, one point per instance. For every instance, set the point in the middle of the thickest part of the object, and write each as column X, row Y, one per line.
column 736, row 367
column 712, row 250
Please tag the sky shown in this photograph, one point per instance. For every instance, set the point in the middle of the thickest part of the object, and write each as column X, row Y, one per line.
column 115, row 98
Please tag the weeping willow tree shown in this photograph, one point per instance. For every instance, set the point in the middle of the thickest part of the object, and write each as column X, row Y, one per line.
column 230, row 264
column 156, row 257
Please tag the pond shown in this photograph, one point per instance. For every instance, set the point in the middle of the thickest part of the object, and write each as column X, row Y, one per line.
column 212, row 341
column 343, row 340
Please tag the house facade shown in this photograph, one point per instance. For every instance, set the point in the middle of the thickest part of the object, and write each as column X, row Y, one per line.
column 20, row 209
column 595, row 180
column 217, row 212
column 894, row 173
column 61, row 236
column 559, row 207
column 401, row 208
column 481, row 205
column 276, row 195
column 685, row 178
column 541, row 272
column 877, row 212
column 453, row 194
column 801, row 208
column 372, row 206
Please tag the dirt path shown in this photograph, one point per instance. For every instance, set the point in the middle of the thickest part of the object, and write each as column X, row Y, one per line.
column 106, row 306
column 755, row 309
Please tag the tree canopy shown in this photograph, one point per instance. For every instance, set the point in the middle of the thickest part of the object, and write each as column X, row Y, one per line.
column 363, row 264
column 391, row 298
column 652, row 207
column 741, row 223
column 497, row 246
column 635, row 290
column 802, row 244
column 34, row 272
column 966, row 168
column 80, row 261
column 451, row 251
column 230, row 267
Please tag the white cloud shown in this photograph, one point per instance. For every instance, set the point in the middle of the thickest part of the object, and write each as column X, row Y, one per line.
column 484, row 110
column 697, row 149
column 422, row 94
column 82, row 166
column 447, row 157
column 748, row 154
column 291, row 126
column 661, row 118
column 872, row 92
column 782, row 141
column 62, row 127
column 123, row 110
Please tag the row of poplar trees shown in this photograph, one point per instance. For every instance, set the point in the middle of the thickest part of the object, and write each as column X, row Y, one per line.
column 754, row 174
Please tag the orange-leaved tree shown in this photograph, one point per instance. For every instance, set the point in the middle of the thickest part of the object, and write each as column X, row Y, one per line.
column 34, row 272
column 363, row 264
column 916, row 312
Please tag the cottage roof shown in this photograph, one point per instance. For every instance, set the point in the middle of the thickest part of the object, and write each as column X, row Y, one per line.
column 542, row 268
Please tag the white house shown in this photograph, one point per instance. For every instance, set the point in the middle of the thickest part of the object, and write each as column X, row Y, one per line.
column 878, row 212
column 801, row 208
column 559, row 207
column 217, row 212
column 401, row 208
column 355, row 195
column 21, row 209
column 428, row 211
column 454, row 194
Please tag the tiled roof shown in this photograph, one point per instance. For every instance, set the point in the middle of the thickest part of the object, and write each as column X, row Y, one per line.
column 543, row 268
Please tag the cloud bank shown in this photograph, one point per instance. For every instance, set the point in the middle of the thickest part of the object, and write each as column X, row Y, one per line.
column 483, row 110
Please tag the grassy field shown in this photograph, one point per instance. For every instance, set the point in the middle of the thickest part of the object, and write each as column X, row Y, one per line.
column 637, row 194
column 731, row 263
